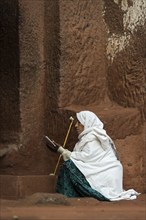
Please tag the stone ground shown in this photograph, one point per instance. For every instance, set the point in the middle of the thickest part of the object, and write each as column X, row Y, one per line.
column 54, row 207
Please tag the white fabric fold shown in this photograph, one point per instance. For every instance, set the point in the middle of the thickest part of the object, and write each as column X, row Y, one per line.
column 96, row 157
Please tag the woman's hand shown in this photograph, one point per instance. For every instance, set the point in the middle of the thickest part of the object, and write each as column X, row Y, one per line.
column 65, row 153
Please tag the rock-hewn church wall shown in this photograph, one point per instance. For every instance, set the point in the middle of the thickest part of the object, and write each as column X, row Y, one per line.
column 63, row 56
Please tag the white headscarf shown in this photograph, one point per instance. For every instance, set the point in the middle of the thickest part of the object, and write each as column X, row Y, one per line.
column 93, row 124
column 89, row 119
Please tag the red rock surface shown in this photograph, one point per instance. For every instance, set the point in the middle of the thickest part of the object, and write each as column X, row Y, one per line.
column 59, row 57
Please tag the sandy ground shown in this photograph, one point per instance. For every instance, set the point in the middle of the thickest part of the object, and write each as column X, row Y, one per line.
column 55, row 207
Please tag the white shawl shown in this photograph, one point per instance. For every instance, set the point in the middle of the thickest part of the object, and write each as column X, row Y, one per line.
column 95, row 156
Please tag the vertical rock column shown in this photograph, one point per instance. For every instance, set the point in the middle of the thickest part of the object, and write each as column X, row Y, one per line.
column 32, row 74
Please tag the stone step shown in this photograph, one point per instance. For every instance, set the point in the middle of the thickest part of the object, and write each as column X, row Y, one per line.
column 119, row 122
column 122, row 122
column 15, row 187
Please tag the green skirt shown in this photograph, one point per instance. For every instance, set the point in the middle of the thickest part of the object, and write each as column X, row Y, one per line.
column 72, row 183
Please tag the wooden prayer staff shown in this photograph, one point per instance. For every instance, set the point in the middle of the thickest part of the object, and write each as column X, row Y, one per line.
column 65, row 140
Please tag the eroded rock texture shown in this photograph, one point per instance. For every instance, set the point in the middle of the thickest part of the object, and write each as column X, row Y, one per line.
column 63, row 56
column 126, row 53
column 83, row 45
